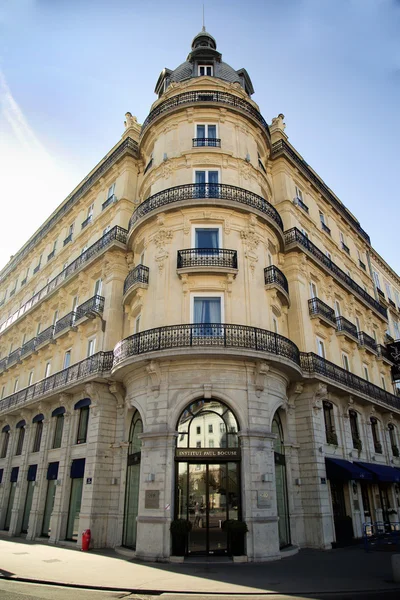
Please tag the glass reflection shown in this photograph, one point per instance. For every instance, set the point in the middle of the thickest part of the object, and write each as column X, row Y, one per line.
column 207, row 424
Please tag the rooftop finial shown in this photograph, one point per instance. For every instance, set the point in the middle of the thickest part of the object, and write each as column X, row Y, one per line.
column 204, row 25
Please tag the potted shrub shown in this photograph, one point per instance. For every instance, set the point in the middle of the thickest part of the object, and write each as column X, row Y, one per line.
column 180, row 530
column 236, row 531
column 357, row 444
column 378, row 448
column 331, row 438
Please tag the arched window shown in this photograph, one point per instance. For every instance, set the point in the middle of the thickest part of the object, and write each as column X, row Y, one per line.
column 207, row 424
column 5, row 440
column 58, row 413
column 280, row 482
column 375, row 435
column 83, row 407
column 132, row 481
column 393, row 439
column 38, row 422
column 21, row 426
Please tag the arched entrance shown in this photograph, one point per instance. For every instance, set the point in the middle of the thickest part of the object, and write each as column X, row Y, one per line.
column 132, row 482
column 207, row 474
column 281, row 483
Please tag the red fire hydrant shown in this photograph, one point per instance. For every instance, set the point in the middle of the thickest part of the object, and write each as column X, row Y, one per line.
column 86, row 535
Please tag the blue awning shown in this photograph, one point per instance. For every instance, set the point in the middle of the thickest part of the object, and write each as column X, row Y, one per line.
column 78, row 468
column 58, row 411
column 14, row 474
column 32, row 470
column 381, row 472
column 337, row 468
column 83, row 403
column 52, row 470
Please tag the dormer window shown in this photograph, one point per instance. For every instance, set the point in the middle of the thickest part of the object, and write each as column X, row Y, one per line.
column 205, row 70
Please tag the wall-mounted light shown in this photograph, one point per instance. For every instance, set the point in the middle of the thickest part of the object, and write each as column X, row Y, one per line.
column 247, row 159
column 150, row 477
column 114, row 481
column 266, row 477
column 165, row 156
column 297, row 481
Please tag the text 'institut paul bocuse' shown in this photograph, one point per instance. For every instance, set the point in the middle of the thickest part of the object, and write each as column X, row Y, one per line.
column 199, row 331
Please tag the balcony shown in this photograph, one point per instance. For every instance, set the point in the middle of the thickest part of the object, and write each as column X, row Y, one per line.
column 295, row 237
column 137, row 278
column 392, row 304
column 208, row 260
column 211, row 142
column 318, row 309
column 205, row 97
column 67, row 240
column 45, row 336
column 299, row 202
column 3, row 364
column 325, row 228
column 91, row 308
column 368, row 342
column 346, row 328
column 64, row 323
column 36, row 269
column 14, row 357
column 209, row 335
column 86, row 222
column 28, row 347
column 345, row 248
column 109, row 201
column 202, row 192
column 98, row 364
column 274, row 278
column 320, row 367
column 383, row 354
column 116, row 234
column 51, row 255
column 362, row 265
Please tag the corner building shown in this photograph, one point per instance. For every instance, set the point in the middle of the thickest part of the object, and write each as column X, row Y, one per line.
column 196, row 332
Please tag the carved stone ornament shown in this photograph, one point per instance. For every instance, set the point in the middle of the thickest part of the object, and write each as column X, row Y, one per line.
column 154, row 372
column 251, row 241
column 260, row 373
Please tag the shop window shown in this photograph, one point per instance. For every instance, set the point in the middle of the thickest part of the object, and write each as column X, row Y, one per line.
column 330, row 433
column 210, row 428
column 5, row 435
column 38, row 423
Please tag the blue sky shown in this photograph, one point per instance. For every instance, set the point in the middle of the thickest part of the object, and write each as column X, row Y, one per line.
column 70, row 69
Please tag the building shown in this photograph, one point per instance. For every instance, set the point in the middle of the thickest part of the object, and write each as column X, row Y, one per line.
column 199, row 331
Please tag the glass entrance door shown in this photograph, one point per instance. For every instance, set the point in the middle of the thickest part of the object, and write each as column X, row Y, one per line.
column 208, row 494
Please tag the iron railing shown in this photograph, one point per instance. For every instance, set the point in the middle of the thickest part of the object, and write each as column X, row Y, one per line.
column 45, row 335
column 109, row 201
column 200, row 142
column 94, row 304
column 302, row 204
column 367, row 340
column 66, row 321
column 325, row 228
column 29, row 346
column 197, row 335
column 205, row 97
column 86, row 221
column 347, row 326
column 312, row 363
column 115, row 234
column 274, row 275
column 127, row 146
column 196, row 191
column 317, row 307
column 140, row 274
column 207, row 257
column 384, row 353
column 14, row 357
column 281, row 147
column 294, row 235
column 97, row 364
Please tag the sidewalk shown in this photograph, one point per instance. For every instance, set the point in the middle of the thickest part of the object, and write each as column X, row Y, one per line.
column 309, row 572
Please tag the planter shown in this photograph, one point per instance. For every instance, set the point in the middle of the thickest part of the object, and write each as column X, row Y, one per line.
column 236, row 531
column 179, row 544
column 180, row 529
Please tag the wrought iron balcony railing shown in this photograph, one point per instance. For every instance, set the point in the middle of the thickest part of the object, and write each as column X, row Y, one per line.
column 140, row 274
column 45, row 335
column 212, row 335
column 207, row 257
column 346, row 326
column 65, row 322
column 97, row 364
column 14, row 357
column 294, row 235
column 67, row 239
column 318, row 308
column 345, row 248
column 274, row 275
column 212, row 142
column 384, row 353
column 300, row 203
column 93, row 305
column 312, row 363
column 325, row 228
column 196, row 191
column 86, row 222
column 367, row 340
column 109, row 201
column 116, row 234
column 28, row 347
column 205, row 97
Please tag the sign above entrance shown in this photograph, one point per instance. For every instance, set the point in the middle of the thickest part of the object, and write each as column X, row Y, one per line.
column 207, row 453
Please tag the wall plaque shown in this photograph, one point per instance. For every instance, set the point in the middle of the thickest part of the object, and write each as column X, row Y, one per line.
column 264, row 499
column 152, row 499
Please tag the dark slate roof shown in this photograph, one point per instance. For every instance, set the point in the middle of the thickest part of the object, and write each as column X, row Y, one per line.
column 222, row 71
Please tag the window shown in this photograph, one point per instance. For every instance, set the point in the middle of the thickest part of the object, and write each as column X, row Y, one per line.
column 71, row 229
column 137, row 324
column 38, row 435
column 201, row 178
column 393, row 440
column 320, row 348
column 383, row 382
column 330, row 433
column 16, row 384
column 91, row 347
column 207, row 237
column 207, row 309
column 3, row 391
column 275, row 324
column 304, row 232
column 299, row 193
column 67, row 359
column 376, row 279
column 83, row 425
column 21, row 435
column 205, row 70
column 358, row 324
column 322, row 218
column 74, row 303
column 313, row 290
column 328, row 254
column 98, row 287
column 198, row 430
column 366, row 372
column 106, row 229
column 54, row 246
column 375, row 435
column 337, row 308
column 354, row 430
column 210, row 428
column 198, row 444
column 111, row 190
column 90, row 211
column 396, row 329
column 396, row 295
column 342, row 238
column 5, row 441
column 345, row 361
column 55, row 317
column 30, row 378
column 388, row 291
column 211, row 443
column 58, row 430
column 47, row 369
column 206, row 135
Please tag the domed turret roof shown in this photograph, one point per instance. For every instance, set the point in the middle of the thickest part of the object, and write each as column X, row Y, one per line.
column 203, row 53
